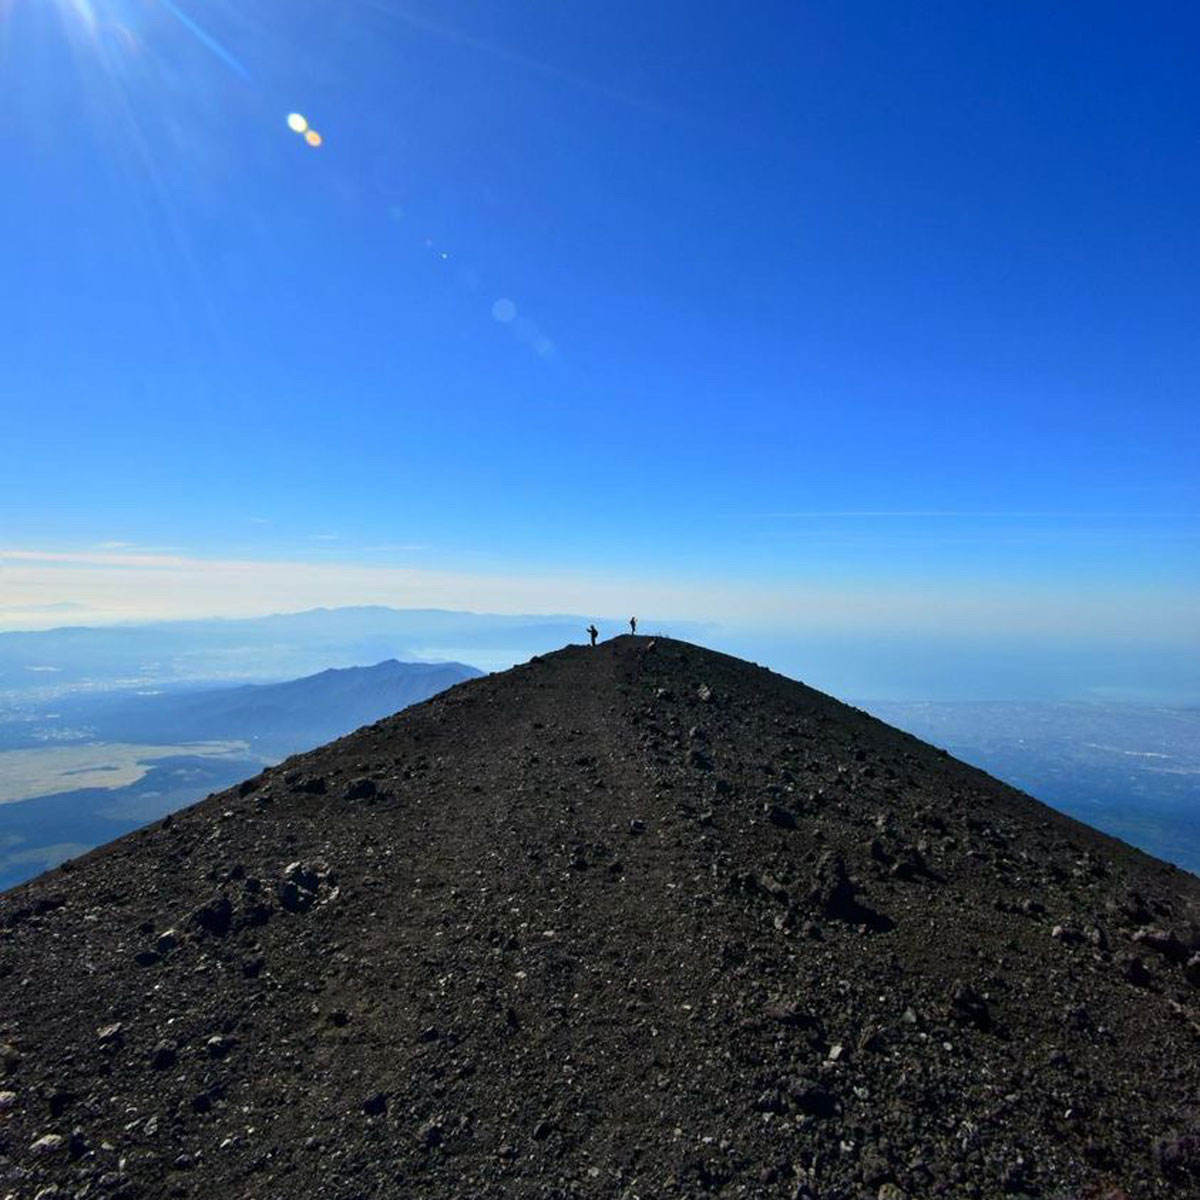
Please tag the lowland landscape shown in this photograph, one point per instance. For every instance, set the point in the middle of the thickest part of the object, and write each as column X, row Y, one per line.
column 1131, row 770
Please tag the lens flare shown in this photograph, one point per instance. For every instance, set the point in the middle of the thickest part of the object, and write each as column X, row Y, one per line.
column 313, row 138
column 297, row 123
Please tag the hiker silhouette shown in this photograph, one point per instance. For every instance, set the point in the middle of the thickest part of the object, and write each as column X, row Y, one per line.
column 633, row 624
column 593, row 633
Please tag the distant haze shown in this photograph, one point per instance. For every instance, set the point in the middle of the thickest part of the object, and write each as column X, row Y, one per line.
column 895, row 664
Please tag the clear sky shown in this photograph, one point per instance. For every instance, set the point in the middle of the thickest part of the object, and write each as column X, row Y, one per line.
column 868, row 316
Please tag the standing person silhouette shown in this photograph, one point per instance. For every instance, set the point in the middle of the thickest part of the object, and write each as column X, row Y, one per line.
column 593, row 633
column 633, row 624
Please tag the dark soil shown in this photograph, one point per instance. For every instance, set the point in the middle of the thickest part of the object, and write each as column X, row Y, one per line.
column 637, row 921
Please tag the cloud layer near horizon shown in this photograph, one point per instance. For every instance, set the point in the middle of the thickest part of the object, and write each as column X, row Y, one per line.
column 131, row 585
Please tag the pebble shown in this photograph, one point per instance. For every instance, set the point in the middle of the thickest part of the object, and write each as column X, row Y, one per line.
column 48, row 1143
column 215, row 917
column 780, row 816
column 1133, row 970
column 163, row 1056
column 218, row 1045
column 1163, row 942
column 430, row 1134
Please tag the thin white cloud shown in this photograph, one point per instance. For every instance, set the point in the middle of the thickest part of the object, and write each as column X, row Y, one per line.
column 966, row 514
column 138, row 586
column 94, row 558
column 62, row 606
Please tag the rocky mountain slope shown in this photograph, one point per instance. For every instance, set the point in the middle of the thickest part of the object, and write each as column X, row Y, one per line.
column 636, row 921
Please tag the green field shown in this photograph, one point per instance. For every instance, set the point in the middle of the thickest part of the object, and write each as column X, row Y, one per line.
column 45, row 771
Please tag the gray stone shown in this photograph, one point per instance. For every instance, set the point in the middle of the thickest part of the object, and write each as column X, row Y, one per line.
column 164, row 1056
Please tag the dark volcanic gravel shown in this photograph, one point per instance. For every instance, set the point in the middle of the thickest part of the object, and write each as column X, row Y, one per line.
column 636, row 921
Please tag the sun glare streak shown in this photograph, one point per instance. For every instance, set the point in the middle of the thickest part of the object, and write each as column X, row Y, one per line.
column 85, row 12
column 95, row 21
column 129, row 58
column 202, row 35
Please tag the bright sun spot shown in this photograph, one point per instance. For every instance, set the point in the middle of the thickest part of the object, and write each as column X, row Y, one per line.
column 84, row 10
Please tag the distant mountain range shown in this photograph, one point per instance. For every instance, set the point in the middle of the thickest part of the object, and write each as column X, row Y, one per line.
column 276, row 719
column 282, row 646
column 163, row 752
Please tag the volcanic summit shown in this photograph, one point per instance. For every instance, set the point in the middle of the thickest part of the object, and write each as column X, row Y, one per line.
column 634, row 921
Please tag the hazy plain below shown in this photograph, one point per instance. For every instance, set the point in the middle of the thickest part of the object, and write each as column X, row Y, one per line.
column 1130, row 770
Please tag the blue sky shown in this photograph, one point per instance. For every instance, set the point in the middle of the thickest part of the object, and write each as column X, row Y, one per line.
column 867, row 316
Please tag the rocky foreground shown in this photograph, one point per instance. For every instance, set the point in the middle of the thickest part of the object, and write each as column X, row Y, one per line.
column 637, row 921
